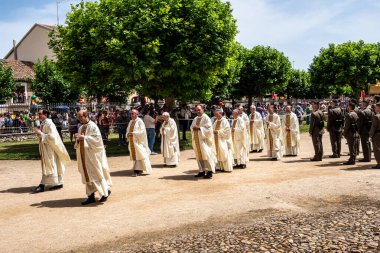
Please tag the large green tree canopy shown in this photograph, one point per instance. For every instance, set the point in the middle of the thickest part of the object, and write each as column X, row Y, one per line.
column 345, row 67
column 162, row 48
column 264, row 70
column 49, row 84
column 299, row 85
column 7, row 83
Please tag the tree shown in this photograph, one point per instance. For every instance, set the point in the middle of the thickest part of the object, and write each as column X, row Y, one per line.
column 265, row 70
column 162, row 48
column 7, row 83
column 345, row 67
column 299, row 84
column 49, row 84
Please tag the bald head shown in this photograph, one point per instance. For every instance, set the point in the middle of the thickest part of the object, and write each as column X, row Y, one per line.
column 199, row 110
column 82, row 116
column 134, row 114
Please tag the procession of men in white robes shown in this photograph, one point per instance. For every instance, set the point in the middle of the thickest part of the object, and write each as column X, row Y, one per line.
column 92, row 160
column 53, row 154
column 223, row 142
column 239, row 140
column 169, row 141
column 203, row 143
column 219, row 145
column 256, row 131
column 138, row 145
column 291, row 132
column 273, row 133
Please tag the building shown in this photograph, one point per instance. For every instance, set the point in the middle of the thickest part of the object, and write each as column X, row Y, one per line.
column 32, row 47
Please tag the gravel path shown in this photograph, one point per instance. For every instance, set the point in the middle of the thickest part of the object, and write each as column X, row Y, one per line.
column 353, row 229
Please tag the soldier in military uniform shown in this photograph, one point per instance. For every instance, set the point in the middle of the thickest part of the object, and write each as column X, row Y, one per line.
column 364, row 125
column 335, row 128
column 351, row 134
column 316, row 131
column 374, row 133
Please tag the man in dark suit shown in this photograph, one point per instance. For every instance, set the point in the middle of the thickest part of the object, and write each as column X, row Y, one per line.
column 351, row 134
column 364, row 125
column 335, row 128
column 374, row 133
column 316, row 131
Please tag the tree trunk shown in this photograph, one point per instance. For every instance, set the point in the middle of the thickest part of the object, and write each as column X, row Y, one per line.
column 170, row 103
column 249, row 100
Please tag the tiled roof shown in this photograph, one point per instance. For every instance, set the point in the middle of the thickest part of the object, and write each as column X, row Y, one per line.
column 22, row 70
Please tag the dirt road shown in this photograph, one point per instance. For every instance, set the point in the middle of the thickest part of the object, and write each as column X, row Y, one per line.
column 168, row 201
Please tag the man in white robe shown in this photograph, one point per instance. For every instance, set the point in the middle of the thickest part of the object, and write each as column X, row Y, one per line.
column 273, row 133
column 223, row 142
column 291, row 132
column 92, row 159
column 138, row 145
column 53, row 154
column 169, row 141
column 240, row 145
column 256, row 130
column 245, row 118
column 203, row 143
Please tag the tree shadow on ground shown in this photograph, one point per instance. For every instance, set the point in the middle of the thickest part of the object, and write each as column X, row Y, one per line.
column 331, row 164
column 125, row 173
column 264, row 159
column 62, row 203
column 298, row 161
column 159, row 166
column 181, row 177
column 363, row 167
column 19, row 190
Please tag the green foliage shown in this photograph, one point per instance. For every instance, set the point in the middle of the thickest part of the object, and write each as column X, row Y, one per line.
column 265, row 70
column 7, row 83
column 299, row 85
column 162, row 48
column 345, row 68
column 49, row 84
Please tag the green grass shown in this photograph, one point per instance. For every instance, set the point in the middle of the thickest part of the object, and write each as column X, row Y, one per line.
column 28, row 150
column 304, row 128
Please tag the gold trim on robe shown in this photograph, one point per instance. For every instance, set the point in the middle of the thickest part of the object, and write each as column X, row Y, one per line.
column 233, row 126
column 163, row 137
column 131, row 142
column 288, row 133
column 196, row 138
column 270, row 119
column 82, row 156
column 216, row 137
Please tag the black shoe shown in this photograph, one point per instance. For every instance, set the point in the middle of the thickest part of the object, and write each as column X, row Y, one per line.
column 104, row 198
column 243, row 166
column 236, row 166
column 171, row 166
column 349, row 163
column 208, row 175
column 274, row 159
column 364, row 161
column 200, row 174
column 40, row 188
column 334, row 156
column 56, row 187
column 315, row 160
column 376, row 167
column 89, row 200
column 260, row 151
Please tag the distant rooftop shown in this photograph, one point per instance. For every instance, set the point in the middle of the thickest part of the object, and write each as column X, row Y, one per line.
column 22, row 70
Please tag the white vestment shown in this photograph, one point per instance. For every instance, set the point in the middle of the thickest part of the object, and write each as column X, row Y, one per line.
column 138, row 146
column 273, row 133
column 203, row 143
column 257, row 133
column 169, row 142
column 291, row 138
column 223, row 144
column 53, row 154
column 245, row 118
column 92, row 160
column 239, row 141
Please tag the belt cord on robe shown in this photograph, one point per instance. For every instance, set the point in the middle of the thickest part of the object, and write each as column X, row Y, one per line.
column 233, row 127
column 163, row 138
column 251, row 128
